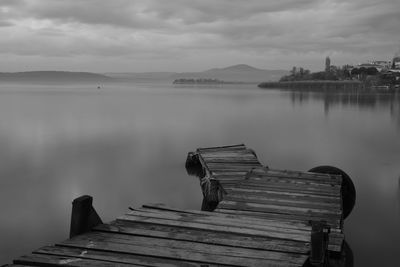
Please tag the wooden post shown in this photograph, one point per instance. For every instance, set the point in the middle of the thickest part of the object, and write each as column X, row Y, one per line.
column 84, row 217
column 193, row 165
column 319, row 243
column 210, row 197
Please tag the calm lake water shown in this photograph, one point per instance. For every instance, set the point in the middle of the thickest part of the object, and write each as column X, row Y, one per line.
column 126, row 145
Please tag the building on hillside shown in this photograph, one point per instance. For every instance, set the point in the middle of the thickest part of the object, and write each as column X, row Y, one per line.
column 396, row 63
column 379, row 68
column 327, row 64
column 383, row 63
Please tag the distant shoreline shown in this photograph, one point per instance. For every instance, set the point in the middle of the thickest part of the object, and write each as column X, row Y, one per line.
column 53, row 77
column 207, row 82
column 317, row 85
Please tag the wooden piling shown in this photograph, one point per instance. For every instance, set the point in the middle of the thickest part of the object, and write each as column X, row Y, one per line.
column 319, row 243
column 84, row 217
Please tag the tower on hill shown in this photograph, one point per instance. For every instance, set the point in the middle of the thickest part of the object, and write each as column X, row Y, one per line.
column 327, row 64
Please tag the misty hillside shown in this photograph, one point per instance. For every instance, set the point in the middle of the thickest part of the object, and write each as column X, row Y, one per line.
column 53, row 76
column 239, row 67
column 236, row 73
column 140, row 76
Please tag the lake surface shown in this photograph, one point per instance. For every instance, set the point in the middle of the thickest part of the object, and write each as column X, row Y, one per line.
column 126, row 145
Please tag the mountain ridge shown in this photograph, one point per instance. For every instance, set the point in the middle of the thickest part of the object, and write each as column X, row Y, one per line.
column 237, row 67
column 52, row 76
column 235, row 73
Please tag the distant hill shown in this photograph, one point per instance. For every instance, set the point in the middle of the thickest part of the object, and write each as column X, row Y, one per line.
column 140, row 76
column 236, row 73
column 239, row 67
column 53, row 76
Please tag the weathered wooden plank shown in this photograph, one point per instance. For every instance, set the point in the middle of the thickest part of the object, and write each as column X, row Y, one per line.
column 242, row 216
column 270, row 230
column 299, row 174
column 229, row 155
column 234, row 151
column 223, row 148
column 265, row 199
column 222, row 175
column 282, row 214
column 286, row 180
column 230, row 179
column 234, row 221
column 278, row 195
column 117, row 258
column 281, row 209
column 297, row 179
column 333, row 222
column 216, row 218
column 183, row 250
column 239, row 188
column 246, row 153
column 288, row 188
column 17, row 265
column 293, row 184
column 335, row 242
column 232, row 161
column 218, row 228
column 274, row 178
column 228, row 183
column 55, row 260
column 235, row 166
column 227, row 173
column 201, row 236
column 225, row 170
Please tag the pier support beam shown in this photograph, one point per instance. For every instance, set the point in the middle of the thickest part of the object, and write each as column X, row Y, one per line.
column 319, row 243
column 84, row 217
column 211, row 195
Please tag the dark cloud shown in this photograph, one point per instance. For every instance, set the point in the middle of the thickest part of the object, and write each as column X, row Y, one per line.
column 191, row 30
column 133, row 13
column 5, row 24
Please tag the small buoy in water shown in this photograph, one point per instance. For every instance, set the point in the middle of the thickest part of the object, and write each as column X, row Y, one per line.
column 98, row 87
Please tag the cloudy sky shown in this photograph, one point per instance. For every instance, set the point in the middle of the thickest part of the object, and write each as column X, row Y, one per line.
column 194, row 35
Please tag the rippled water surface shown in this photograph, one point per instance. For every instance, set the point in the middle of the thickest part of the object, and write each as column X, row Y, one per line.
column 126, row 145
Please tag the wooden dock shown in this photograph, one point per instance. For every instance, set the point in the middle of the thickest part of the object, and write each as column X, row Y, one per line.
column 251, row 216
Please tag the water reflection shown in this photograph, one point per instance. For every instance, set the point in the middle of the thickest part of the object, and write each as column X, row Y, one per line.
column 398, row 196
column 127, row 146
column 345, row 259
column 359, row 100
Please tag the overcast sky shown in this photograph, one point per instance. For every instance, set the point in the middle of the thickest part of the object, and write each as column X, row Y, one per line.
column 194, row 35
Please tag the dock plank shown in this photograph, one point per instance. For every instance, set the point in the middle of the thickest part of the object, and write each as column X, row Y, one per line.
column 265, row 199
column 56, row 260
column 117, row 258
column 221, row 219
column 250, row 219
column 211, row 237
column 182, row 250
column 297, row 236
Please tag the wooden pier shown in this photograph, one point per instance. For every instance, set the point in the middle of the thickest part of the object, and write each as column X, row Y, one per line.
column 251, row 216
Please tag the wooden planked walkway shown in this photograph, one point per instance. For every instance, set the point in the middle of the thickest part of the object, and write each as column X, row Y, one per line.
column 253, row 190
column 260, row 217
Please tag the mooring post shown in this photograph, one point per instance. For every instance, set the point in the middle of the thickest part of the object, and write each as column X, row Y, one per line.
column 84, row 217
column 211, row 196
column 319, row 243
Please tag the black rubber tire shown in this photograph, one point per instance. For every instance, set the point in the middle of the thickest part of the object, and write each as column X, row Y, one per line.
column 348, row 189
